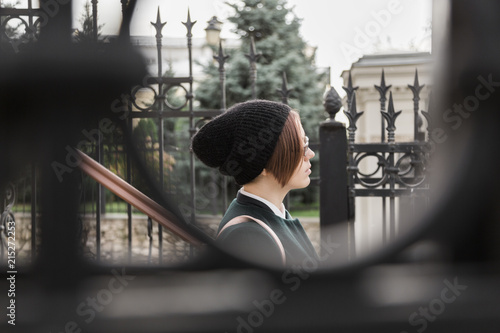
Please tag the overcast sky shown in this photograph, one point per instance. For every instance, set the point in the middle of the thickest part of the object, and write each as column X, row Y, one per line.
column 341, row 30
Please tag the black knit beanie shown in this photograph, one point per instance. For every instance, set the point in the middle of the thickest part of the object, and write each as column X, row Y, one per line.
column 241, row 141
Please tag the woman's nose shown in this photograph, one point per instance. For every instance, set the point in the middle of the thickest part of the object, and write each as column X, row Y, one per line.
column 310, row 153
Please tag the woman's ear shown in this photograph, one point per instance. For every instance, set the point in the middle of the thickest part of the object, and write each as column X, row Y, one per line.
column 264, row 172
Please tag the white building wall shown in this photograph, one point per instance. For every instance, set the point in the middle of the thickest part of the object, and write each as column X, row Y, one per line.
column 399, row 71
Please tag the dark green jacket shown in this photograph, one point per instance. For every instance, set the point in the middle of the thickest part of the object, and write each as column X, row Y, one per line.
column 252, row 242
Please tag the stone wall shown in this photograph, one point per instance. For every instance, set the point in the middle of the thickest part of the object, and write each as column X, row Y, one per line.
column 114, row 241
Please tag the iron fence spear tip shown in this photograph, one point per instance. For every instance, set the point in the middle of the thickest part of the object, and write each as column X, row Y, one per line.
column 383, row 88
column 220, row 57
column 382, row 80
column 352, row 114
column 416, row 87
column 284, row 91
column 158, row 24
column 189, row 24
column 349, row 89
column 391, row 115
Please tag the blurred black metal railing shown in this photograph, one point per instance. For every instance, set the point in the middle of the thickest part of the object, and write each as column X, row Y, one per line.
column 148, row 109
column 399, row 170
column 163, row 101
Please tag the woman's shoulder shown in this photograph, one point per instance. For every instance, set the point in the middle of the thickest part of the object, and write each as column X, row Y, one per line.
column 249, row 240
column 237, row 208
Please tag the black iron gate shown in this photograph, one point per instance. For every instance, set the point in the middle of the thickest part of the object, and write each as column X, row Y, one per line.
column 165, row 100
column 161, row 100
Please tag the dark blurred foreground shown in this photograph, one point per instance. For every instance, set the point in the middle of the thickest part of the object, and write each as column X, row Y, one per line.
column 444, row 277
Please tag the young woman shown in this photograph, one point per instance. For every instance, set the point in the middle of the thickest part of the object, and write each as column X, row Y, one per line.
column 263, row 146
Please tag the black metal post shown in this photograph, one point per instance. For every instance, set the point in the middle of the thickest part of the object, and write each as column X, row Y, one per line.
column 150, row 238
column 159, row 26
column 95, row 33
column 333, row 189
column 392, row 170
column 129, row 207
column 221, row 59
column 284, row 92
column 59, row 264
column 33, row 211
column 253, row 57
column 57, row 30
column 353, row 116
column 416, row 88
column 189, row 26
column 124, row 5
column 100, row 190
column 382, row 89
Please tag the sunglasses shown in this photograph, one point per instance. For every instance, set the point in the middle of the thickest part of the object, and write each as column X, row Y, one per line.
column 306, row 146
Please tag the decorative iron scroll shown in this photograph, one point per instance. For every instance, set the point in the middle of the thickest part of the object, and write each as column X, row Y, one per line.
column 400, row 166
column 401, row 163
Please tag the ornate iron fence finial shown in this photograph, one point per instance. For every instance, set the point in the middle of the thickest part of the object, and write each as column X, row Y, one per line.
column 350, row 91
column 353, row 116
column 382, row 89
column 332, row 103
column 390, row 116
column 428, row 115
column 189, row 25
column 220, row 56
column 416, row 88
column 158, row 25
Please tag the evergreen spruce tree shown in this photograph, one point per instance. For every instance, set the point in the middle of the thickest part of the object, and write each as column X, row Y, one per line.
column 86, row 34
column 274, row 27
column 275, row 30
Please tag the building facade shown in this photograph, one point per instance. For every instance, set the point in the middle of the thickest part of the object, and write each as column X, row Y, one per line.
column 399, row 72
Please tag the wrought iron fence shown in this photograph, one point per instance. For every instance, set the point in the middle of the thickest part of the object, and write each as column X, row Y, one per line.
column 467, row 222
column 151, row 110
column 163, row 101
column 160, row 101
column 400, row 166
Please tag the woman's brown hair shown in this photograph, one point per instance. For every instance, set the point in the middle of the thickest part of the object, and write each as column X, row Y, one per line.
column 289, row 151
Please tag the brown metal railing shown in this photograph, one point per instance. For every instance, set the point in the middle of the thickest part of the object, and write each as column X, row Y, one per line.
column 134, row 197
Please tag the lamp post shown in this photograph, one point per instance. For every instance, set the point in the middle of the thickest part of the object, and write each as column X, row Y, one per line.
column 213, row 31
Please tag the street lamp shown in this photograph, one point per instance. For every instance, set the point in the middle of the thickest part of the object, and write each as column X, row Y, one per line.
column 213, row 31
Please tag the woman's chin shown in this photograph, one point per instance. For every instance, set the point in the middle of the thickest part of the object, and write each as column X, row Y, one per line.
column 304, row 184
column 308, row 181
